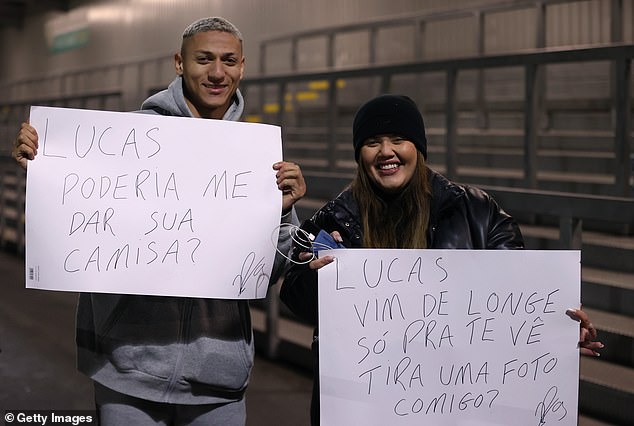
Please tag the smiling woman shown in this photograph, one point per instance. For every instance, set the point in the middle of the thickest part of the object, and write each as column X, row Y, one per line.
column 390, row 162
column 392, row 183
column 396, row 201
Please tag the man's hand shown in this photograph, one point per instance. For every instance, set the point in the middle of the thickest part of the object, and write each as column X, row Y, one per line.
column 25, row 145
column 291, row 182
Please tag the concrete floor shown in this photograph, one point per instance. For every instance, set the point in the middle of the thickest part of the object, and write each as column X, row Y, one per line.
column 37, row 359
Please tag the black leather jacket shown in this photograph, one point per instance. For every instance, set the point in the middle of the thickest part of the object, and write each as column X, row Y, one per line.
column 462, row 217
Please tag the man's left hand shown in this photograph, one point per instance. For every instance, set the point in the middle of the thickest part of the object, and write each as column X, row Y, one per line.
column 291, row 182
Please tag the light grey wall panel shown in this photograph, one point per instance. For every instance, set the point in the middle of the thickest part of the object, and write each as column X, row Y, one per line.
column 628, row 21
column 510, row 31
column 311, row 54
column 347, row 57
column 446, row 39
column 129, row 31
column 584, row 22
column 124, row 30
column 395, row 45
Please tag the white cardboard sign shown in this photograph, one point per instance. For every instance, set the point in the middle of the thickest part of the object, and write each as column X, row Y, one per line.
column 449, row 337
column 144, row 204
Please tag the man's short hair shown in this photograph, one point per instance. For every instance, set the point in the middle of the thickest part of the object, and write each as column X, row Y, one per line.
column 214, row 23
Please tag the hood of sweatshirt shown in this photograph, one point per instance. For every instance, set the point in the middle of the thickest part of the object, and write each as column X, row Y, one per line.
column 171, row 101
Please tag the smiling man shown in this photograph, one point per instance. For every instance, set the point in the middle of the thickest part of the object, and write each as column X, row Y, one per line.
column 170, row 360
column 211, row 65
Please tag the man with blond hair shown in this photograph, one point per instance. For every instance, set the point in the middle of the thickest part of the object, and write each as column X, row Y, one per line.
column 174, row 360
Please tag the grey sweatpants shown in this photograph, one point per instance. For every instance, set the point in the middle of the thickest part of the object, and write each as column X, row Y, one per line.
column 117, row 409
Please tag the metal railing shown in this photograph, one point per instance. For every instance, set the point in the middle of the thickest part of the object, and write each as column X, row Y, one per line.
column 533, row 65
column 12, row 203
column 537, row 10
column 419, row 21
column 569, row 209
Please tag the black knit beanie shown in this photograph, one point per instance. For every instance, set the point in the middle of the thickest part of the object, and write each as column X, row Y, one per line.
column 389, row 114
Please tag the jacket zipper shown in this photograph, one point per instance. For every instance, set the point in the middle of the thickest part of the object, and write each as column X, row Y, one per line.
column 183, row 334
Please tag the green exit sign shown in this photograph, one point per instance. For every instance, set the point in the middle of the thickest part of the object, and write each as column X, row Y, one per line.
column 70, row 40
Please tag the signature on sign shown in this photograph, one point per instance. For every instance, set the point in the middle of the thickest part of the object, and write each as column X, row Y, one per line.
column 251, row 270
column 550, row 404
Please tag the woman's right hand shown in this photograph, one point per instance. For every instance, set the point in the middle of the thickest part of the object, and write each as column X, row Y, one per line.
column 320, row 262
column 25, row 145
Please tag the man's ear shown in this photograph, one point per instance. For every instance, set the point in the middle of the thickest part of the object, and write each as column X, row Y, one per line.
column 178, row 63
column 242, row 68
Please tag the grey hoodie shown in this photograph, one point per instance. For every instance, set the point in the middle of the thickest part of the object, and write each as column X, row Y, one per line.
column 171, row 101
column 171, row 349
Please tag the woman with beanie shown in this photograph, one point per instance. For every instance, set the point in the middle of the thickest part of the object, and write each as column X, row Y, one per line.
column 396, row 201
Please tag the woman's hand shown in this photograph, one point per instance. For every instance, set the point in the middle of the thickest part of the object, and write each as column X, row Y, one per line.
column 587, row 334
column 320, row 262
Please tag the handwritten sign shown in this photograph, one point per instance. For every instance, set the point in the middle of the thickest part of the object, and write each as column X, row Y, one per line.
column 449, row 337
column 143, row 204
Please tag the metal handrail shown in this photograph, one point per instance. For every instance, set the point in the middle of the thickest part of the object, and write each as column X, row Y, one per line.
column 533, row 62
column 570, row 209
column 419, row 20
column 600, row 208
